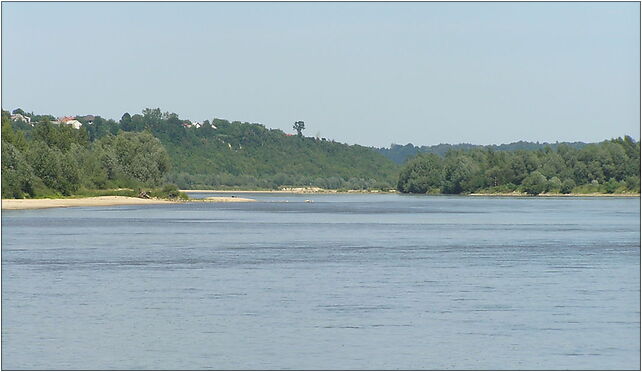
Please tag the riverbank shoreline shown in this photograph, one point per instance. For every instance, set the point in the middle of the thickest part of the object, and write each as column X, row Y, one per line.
column 288, row 191
column 96, row 201
column 106, row 201
column 520, row 195
column 325, row 191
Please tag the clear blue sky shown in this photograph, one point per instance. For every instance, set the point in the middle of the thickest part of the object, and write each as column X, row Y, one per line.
column 367, row 73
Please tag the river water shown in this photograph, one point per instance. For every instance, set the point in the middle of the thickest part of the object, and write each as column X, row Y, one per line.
column 341, row 282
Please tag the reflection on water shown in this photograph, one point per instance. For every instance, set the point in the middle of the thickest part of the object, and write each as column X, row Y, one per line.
column 344, row 282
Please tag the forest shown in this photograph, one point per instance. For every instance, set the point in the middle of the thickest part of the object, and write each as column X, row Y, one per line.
column 611, row 166
column 46, row 158
column 401, row 153
column 51, row 160
column 214, row 154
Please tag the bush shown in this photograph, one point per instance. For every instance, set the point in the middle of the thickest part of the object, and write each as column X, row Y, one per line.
column 554, row 185
column 17, row 176
column 535, row 183
column 168, row 191
column 633, row 183
column 611, row 186
column 567, row 186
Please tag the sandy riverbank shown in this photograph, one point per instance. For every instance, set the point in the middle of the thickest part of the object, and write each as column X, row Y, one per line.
column 98, row 201
column 294, row 190
column 102, row 201
column 558, row 195
column 223, row 199
column 324, row 191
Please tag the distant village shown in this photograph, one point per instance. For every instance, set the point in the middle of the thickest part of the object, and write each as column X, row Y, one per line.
column 77, row 121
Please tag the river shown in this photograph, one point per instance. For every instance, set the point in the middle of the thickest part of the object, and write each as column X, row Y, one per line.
column 360, row 281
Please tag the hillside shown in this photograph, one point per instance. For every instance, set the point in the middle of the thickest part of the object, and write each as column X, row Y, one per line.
column 243, row 154
column 401, row 153
column 235, row 154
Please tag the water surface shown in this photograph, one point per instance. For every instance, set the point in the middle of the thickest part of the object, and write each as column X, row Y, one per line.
column 343, row 282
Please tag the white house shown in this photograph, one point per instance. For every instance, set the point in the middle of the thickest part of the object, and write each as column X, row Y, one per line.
column 19, row 117
column 73, row 122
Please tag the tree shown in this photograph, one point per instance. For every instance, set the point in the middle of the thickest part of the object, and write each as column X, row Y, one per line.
column 299, row 126
column 17, row 175
column 554, row 184
column 535, row 183
column 135, row 155
column 567, row 186
column 126, row 122
column 10, row 136
column 459, row 170
column 422, row 174
column 57, row 170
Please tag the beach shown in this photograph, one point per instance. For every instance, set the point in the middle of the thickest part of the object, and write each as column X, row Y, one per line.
column 224, row 199
column 291, row 190
column 98, row 201
column 103, row 201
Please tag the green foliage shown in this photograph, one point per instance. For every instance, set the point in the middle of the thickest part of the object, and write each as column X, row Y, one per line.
column 245, row 155
column 60, row 136
column 138, row 156
column 168, row 191
column 534, row 184
column 401, row 153
column 554, row 185
column 611, row 186
column 17, row 175
column 140, row 149
column 633, row 183
column 83, row 192
column 459, row 174
column 9, row 135
column 100, row 128
column 567, row 186
column 58, row 160
column 422, row 174
column 606, row 167
column 299, row 126
column 58, row 171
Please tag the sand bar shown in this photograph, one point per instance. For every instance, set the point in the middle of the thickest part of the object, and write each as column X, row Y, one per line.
column 252, row 191
column 225, row 199
column 292, row 190
column 97, row 201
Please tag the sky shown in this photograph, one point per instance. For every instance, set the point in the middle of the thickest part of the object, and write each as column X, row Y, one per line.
column 366, row 73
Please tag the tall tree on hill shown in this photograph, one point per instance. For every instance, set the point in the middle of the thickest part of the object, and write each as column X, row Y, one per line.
column 299, row 126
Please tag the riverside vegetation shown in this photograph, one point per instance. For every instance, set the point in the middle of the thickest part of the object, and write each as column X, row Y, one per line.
column 608, row 167
column 57, row 160
column 146, row 151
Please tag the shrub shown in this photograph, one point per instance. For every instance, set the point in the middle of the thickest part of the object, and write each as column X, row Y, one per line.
column 535, row 183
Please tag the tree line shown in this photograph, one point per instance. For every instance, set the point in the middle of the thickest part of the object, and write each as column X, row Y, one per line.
column 611, row 166
column 401, row 153
column 55, row 160
column 156, row 147
column 220, row 153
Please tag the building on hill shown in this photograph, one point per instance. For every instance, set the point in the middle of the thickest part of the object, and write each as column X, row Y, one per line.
column 190, row 124
column 20, row 117
column 70, row 120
